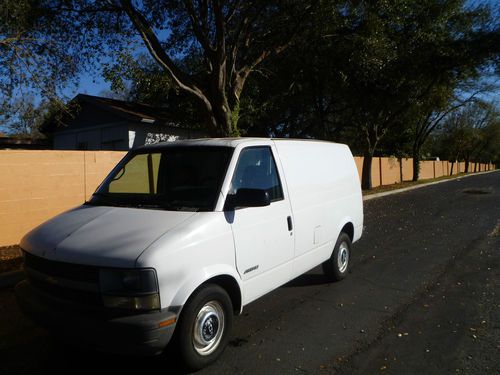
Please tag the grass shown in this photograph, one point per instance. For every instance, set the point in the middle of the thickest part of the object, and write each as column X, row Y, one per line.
column 405, row 184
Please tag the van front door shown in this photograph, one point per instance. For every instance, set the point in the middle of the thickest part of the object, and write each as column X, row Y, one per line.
column 263, row 236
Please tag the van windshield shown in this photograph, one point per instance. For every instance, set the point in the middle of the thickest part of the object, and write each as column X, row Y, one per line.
column 173, row 178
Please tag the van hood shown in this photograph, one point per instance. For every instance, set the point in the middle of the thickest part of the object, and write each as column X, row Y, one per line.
column 100, row 235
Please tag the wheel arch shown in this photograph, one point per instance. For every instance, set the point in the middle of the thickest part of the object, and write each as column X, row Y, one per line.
column 346, row 226
column 222, row 276
column 230, row 285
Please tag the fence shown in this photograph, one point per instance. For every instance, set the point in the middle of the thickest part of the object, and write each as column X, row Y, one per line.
column 37, row 185
column 388, row 171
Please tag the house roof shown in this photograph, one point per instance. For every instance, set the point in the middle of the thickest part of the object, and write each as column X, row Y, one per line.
column 130, row 111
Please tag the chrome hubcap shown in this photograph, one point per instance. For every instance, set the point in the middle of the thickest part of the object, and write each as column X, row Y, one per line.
column 343, row 257
column 208, row 328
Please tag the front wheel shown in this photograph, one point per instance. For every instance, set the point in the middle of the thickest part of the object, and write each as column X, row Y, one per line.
column 204, row 328
column 337, row 267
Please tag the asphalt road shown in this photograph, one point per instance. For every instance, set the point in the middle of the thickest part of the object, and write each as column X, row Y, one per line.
column 422, row 298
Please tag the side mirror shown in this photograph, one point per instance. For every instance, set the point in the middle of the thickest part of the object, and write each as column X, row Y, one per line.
column 247, row 198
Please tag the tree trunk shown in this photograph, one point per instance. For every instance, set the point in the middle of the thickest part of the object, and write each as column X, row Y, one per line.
column 416, row 168
column 222, row 118
column 466, row 165
column 366, row 176
column 451, row 169
column 400, row 169
column 475, row 167
column 416, row 162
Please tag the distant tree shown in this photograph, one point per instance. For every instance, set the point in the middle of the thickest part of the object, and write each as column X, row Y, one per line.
column 471, row 134
column 30, row 116
column 411, row 50
column 489, row 152
column 429, row 116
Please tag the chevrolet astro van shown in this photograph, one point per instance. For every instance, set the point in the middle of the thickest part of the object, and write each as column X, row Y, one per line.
column 181, row 236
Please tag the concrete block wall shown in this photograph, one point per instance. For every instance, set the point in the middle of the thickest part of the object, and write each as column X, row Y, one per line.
column 37, row 185
column 391, row 171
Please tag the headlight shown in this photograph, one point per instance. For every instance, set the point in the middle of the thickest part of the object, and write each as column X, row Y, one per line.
column 135, row 289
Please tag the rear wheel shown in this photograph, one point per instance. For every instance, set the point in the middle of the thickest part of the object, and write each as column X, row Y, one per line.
column 337, row 267
column 204, row 327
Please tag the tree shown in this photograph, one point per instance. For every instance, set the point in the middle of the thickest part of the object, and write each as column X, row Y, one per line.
column 224, row 41
column 471, row 134
column 141, row 80
column 418, row 49
column 490, row 150
column 431, row 113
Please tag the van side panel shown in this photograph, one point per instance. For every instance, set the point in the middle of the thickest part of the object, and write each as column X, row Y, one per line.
column 325, row 194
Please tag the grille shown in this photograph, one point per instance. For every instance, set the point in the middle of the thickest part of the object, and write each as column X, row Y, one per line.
column 69, row 294
column 74, row 272
column 70, row 271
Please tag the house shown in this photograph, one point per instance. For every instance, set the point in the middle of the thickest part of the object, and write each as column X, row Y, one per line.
column 108, row 124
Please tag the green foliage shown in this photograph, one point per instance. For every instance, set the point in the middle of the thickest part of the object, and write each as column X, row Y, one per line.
column 376, row 75
column 471, row 133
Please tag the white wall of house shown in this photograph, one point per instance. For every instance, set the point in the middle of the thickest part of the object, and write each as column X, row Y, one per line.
column 120, row 136
column 146, row 134
column 102, row 137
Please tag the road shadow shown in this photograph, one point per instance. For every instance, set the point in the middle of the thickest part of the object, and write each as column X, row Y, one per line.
column 74, row 359
column 309, row 279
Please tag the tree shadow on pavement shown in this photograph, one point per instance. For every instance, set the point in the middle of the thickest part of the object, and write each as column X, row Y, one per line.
column 73, row 359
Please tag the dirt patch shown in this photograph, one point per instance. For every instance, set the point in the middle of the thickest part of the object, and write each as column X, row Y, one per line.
column 10, row 258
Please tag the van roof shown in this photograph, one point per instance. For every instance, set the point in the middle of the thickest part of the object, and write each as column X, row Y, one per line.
column 228, row 142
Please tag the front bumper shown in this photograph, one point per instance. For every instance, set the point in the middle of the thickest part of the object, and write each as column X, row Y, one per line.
column 138, row 334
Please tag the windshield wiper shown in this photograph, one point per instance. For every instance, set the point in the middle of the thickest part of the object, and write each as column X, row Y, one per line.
column 104, row 198
column 167, row 206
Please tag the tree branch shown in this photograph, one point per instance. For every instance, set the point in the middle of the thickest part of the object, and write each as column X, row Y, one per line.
column 183, row 80
column 198, row 29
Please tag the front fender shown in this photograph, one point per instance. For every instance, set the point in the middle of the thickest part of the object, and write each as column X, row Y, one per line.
column 199, row 277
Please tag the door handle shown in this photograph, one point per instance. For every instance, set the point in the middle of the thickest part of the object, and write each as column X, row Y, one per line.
column 289, row 221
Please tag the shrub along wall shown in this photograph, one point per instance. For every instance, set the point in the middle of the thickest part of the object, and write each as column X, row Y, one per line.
column 37, row 185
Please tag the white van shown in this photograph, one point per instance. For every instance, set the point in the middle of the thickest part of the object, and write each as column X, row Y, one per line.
column 182, row 235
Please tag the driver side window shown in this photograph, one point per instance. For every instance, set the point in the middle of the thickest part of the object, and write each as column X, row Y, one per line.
column 256, row 169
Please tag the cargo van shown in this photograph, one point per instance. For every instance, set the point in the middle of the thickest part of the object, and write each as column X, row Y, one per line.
column 181, row 236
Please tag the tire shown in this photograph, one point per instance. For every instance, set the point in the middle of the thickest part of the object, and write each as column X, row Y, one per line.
column 204, row 327
column 339, row 264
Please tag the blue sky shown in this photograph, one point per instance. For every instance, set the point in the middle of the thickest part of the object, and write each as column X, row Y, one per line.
column 89, row 84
